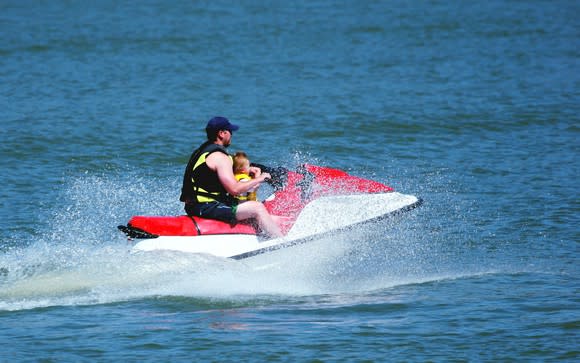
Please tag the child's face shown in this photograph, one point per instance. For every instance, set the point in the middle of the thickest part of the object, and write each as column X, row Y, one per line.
column 246, row 166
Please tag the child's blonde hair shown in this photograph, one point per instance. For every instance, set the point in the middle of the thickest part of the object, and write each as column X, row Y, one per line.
column 241, row 162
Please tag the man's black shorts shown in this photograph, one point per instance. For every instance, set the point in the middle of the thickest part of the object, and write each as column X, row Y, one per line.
column 213, row 210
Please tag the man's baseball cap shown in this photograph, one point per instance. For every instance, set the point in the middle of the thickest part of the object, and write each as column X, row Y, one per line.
column 221, row 123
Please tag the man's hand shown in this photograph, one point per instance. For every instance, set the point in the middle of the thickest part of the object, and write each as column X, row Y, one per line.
column 265, row 176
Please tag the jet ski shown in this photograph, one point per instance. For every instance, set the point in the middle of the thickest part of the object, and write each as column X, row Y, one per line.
column 311, row 202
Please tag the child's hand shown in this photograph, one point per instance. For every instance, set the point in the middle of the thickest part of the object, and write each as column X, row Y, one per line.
column 255, row 171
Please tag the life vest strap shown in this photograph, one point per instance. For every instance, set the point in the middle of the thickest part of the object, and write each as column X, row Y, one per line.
column 216, row 197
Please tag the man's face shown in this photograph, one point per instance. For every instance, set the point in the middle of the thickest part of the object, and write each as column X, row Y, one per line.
column 226, row 137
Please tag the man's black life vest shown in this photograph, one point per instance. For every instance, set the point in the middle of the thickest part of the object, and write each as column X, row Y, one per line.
column 200, row 183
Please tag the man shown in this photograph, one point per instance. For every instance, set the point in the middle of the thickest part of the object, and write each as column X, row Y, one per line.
column 209, row 183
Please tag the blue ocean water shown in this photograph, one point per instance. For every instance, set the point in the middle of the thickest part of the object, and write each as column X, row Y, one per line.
column 472, row 106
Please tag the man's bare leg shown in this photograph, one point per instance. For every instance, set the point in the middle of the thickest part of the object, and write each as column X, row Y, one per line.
column 257, row 210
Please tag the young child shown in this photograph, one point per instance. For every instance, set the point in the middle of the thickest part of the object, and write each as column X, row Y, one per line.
column 242, row 173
